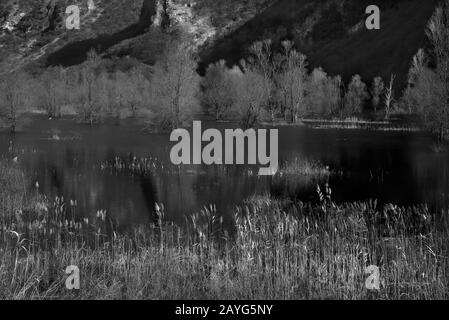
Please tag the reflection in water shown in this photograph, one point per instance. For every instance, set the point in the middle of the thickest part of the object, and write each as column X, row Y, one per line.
column 388, row 166
column 149, row 194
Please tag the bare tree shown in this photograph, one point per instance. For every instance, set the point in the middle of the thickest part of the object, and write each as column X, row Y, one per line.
column 323, row 96
column 264, row 62
column 356, row 95
column 53, row 90
column 419, row 64
column 438, row 34
column 218, row 95
column 89, row 106
column 423, row 91
column 122, row 92
column 138, row 85
column 377, row 90
column 292, row 81
column 389, row 97
column 251, row 97
column 14, row 98
column 316, row 87
column 107, row 89
column 174, row 86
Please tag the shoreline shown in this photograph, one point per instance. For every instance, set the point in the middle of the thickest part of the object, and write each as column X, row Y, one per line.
column 311, row 123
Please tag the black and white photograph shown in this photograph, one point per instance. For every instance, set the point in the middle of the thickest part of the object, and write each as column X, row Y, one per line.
column 198, row 151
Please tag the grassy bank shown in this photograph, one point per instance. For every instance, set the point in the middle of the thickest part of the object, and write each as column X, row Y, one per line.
column 277, row 249
column 304, row 167
column 355, row 123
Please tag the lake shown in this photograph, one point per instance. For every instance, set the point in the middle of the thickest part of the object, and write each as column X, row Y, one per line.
column 78, row 162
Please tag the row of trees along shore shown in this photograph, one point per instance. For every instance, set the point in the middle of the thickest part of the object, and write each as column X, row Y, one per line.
column 164, row 94
column 269, row 85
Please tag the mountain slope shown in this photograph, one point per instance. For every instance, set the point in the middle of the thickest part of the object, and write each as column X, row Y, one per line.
column 333, row 35
column 30, row 30
column 330, row 32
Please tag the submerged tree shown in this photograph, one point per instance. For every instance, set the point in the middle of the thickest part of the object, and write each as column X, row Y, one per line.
column 423, row 90
column 108, row 88
column 14, row 98
column 377, row 90
column 251, row 97
column 266, row 65
column 323, row 93
column 137, row 88
column 356, row 95
column 292, row 82
column 219, row 90
column 389, row 97
column 174, row 88
column 53, row 89
column 130, row 93
column 428, row 89
column 89, row 105
column 438, row 34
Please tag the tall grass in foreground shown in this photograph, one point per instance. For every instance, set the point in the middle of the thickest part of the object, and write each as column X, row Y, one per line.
column 278, row 249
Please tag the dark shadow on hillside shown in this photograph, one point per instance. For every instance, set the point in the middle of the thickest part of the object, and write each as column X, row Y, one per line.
column 283, row 14
column 368, row 53
column 76, row 52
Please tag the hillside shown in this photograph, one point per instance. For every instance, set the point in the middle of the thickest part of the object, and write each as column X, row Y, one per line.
column 330, row 32
column 33, row 30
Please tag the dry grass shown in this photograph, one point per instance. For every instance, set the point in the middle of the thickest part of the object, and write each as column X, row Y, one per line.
column 304, row 167
column 277, row 249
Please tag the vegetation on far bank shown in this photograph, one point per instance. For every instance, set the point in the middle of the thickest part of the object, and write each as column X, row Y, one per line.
column 273, row 83
column 275, row 249
column 304, row 167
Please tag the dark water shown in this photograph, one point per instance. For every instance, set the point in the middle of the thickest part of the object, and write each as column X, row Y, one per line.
column 66, row 157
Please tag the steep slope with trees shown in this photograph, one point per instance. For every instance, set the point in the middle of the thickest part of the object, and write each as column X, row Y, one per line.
column 331, row 33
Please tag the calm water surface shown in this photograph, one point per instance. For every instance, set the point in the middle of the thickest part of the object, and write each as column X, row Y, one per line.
column 66, row 157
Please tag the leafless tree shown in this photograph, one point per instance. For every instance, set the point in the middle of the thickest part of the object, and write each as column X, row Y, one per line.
column 219, row 90
column 292, row 81
column 438, row 34
column 323, row 96
column 267, row 65
column 174, row 87
column 89, row 106
column 108, row 87
column 52, row 87
column 14, row 98
column 138, row 86
column 377, row 90
column 424, row 89
column 356, row 95
column 389, row 96
column 251, row 97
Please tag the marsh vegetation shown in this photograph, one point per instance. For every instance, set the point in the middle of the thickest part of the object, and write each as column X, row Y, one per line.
column 274, row 249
